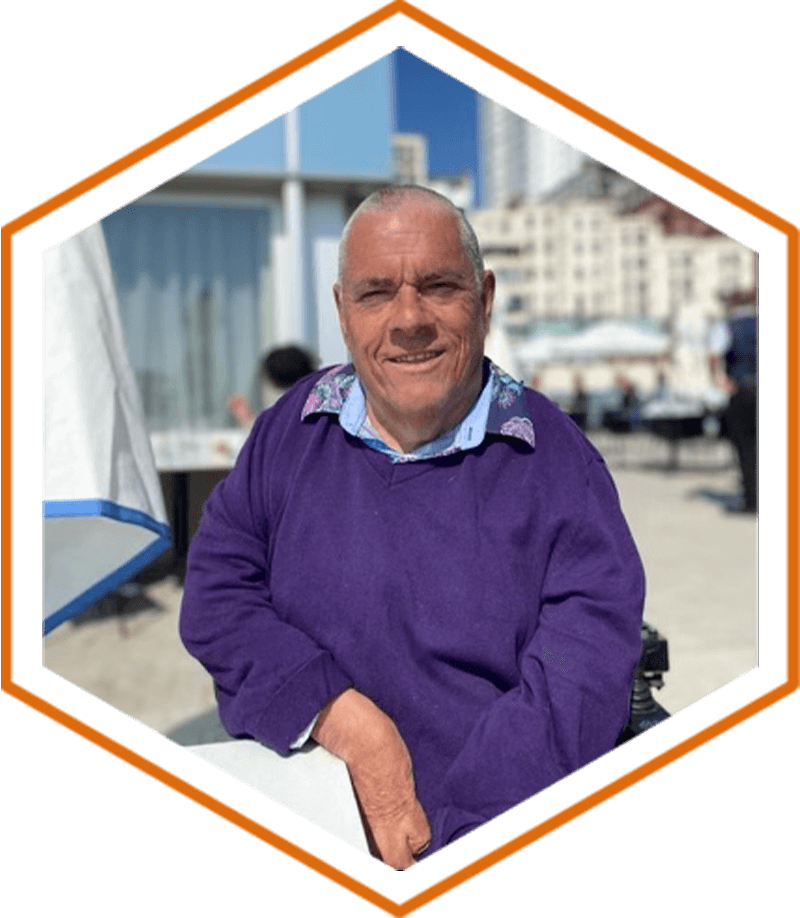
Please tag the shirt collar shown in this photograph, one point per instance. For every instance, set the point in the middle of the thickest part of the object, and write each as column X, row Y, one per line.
column 499, row 410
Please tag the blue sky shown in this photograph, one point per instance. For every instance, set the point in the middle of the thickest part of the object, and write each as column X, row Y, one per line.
column 426, row 101
column 432, row 103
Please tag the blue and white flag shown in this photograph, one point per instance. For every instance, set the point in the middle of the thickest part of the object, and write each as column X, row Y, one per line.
column 104, row 515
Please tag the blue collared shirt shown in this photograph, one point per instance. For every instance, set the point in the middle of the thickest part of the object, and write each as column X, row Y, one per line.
column 499, row 409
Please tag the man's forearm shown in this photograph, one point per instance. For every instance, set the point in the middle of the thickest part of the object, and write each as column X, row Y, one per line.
column 355, row 730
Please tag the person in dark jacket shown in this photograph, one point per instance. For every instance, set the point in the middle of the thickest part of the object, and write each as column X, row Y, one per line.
column 740, row 363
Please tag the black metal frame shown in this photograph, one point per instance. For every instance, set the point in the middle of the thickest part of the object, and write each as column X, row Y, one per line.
column 645, row 711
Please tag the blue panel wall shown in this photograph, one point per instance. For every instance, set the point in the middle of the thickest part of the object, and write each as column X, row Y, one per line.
column 261, row 151
column 345, row 130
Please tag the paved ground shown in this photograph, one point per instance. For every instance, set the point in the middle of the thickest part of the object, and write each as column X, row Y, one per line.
column 700, row 563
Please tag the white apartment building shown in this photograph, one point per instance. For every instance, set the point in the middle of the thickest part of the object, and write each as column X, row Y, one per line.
column 409, row 159
column 410, row 167
column 580, row 260
column 572, row 262
column 519, row 160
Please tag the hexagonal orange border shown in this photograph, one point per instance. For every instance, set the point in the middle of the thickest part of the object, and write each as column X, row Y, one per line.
column 793, row 252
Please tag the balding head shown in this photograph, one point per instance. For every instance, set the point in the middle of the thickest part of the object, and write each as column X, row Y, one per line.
column 394, row 196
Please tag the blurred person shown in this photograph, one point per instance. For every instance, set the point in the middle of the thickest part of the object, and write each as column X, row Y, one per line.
column 279, row 369
column 629, row 403
column 579, row 407
column 417, row 561
column 734, row 367
column 661, row 390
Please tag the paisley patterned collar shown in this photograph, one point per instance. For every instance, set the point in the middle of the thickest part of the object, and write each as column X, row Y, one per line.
column 499, row 410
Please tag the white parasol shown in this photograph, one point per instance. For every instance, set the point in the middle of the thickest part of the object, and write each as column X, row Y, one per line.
column 611, row 338
column 104, row 516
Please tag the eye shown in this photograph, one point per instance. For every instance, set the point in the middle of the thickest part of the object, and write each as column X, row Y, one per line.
column 374, row 296
column 439, row 288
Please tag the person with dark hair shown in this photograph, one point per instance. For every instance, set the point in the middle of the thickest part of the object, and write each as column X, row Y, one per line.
column 279, row 370
column 284, row 366
column 417, row 561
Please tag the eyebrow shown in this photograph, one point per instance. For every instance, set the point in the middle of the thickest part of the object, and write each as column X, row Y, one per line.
column 387, row 283
column 372, row 283
column 448, row 274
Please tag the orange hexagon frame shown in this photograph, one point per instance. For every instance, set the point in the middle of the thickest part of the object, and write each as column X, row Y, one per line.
column 7, row 683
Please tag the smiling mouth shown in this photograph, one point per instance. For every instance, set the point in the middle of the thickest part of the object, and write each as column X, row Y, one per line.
column 420, row 357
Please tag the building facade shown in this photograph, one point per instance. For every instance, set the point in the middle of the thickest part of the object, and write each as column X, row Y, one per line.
column 519, row 161
column 565, row 263
column 410, row 167
column 239, row 253
column 409, row 159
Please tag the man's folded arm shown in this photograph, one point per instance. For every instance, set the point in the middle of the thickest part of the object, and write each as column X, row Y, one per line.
column 271, row 679
column 576, row 671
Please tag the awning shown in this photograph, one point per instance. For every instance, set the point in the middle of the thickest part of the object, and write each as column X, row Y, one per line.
column 104, row 516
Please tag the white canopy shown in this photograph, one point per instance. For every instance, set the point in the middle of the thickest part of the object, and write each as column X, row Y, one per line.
column 611, row 338
column 104, row 516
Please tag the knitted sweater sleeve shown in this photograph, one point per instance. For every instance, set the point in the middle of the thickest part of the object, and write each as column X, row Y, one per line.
column 576, row 669
column 271, row 679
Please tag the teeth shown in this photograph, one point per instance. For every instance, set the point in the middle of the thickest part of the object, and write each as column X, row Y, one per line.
column 415, row 358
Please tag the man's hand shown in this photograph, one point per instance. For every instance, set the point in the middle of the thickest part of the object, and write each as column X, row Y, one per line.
column 357, row 731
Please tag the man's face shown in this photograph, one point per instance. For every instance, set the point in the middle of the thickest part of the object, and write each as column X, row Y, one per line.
column 412, row 317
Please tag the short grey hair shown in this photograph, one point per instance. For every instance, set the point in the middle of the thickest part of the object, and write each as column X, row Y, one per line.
column 390, row 197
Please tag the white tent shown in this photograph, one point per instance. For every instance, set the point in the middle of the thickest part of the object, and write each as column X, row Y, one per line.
column 104, row 516
column 611, row 338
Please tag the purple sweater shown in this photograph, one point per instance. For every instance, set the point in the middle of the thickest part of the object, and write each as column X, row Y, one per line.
column 489, row 601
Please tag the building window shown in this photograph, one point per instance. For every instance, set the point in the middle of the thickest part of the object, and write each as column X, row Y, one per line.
column 642, row 237
column 191, row 285
column 578, row 248
column 579, row 274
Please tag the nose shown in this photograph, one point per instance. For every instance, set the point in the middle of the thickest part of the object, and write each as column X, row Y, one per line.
column 412, row 323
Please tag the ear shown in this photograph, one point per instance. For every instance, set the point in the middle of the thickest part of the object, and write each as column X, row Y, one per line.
column 487, row 296
column 339, row 300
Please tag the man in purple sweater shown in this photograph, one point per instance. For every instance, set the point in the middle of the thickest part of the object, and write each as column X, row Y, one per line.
column 417, row 561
